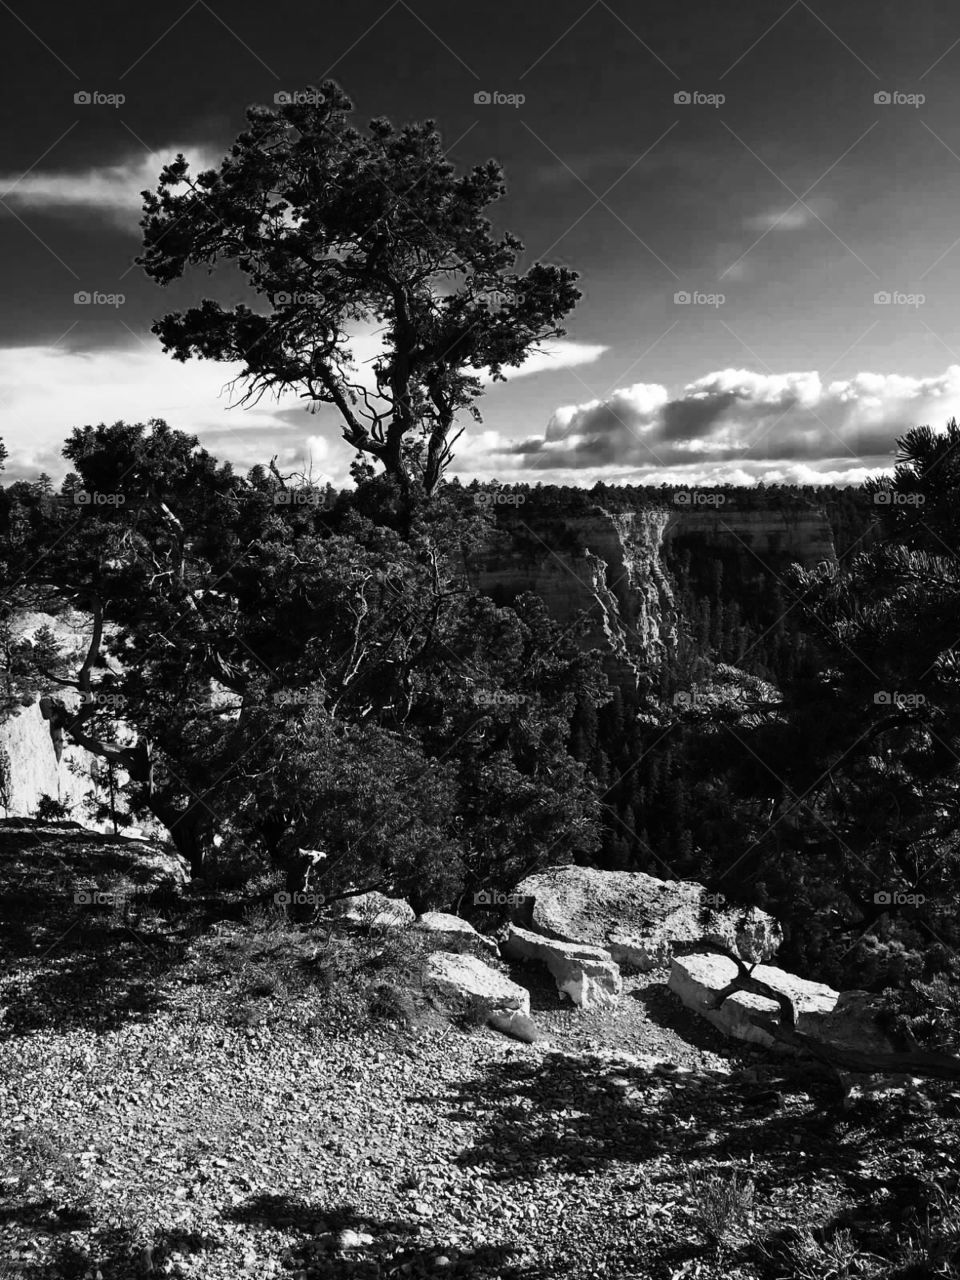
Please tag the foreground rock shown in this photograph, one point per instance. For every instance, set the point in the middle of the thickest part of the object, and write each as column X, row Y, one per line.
column 461, row 981
column 637, row 918
column 587, row 975
column 451, row 931
column 848, row 1019
column 518, row 1024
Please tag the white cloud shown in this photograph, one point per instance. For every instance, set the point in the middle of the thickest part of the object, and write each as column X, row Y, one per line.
column 46, row 391
column 112, row 189
column 732, row 425
column 792, row 217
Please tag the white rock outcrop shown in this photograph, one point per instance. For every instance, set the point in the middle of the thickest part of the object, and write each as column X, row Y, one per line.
column 843, row 1018
column 450, row 929
column 637, row 918
column 462, row 979
column 588, row 975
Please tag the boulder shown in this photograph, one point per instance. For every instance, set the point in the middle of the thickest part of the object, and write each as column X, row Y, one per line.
column 159, row 867
column 587, row 975
column 460, row 979
column 848, row 1019
column 450, row 930
column 637, row 918
column 519, row 1025
column 374, row 909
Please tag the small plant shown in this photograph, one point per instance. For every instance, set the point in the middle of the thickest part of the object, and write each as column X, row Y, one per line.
column 50, row 810
column 720, row 1205
column 836, row 1257
column 472, row 1014
column 387, row 1002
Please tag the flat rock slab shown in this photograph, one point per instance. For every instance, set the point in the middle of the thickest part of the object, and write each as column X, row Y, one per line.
column 458, row 979
column 588, row 975
column 847, row 1019
column 637, row 918
column 449, row 928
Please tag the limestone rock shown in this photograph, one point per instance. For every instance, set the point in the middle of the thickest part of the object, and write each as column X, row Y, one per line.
column 461, row 979
column 519, row 1025
column 450, row 929
column 637, row 918
column 587, row 975
column 847, row 1019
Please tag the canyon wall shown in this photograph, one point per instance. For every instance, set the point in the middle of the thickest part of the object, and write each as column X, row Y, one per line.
column 791, row 535
column 35, row 761
column 609, row 562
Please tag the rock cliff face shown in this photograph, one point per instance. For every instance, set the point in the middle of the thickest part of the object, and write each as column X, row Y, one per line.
column 609, row 563
column 791, row 535
column 35, row 761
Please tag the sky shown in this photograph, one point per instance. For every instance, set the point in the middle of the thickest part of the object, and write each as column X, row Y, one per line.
column 761, row 201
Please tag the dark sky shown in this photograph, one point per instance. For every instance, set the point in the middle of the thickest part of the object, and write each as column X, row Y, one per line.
column 783, row 199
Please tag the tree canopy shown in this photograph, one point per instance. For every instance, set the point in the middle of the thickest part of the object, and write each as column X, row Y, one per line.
column 337, row 231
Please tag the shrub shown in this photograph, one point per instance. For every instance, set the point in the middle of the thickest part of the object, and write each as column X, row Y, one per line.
column 720, row 1205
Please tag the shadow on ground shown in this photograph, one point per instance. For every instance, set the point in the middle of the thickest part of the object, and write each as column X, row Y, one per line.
column 66, row 962
column 397, row 1247
column 556, row 1116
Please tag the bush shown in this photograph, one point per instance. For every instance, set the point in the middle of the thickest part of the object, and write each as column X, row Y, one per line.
column 720, row 1205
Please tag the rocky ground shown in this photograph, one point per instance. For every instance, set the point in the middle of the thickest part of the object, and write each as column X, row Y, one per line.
column 180, row 1097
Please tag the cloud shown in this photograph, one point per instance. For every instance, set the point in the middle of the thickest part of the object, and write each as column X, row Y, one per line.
column 796, row 217
column 47, row 391
column 727, row 424
column 112, row 190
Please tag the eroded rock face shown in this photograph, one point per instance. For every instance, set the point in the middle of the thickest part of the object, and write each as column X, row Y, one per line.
column 587, row 975
column 609, row 563
column 801, row 535
column 638, row 919
column 848, row 1019
column 461, row 979
column 449, row 929
column 602, row 562
column 40, row 761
